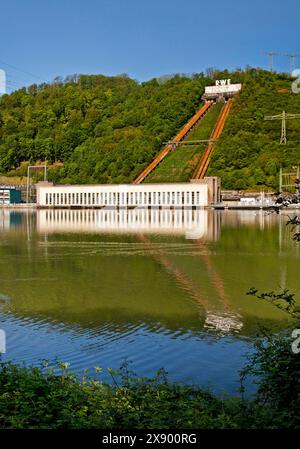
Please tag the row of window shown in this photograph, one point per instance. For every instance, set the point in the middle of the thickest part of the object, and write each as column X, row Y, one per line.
column 110, row 216
column 123, row 199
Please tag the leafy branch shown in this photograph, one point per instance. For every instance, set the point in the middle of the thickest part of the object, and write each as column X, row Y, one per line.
column 283, row 300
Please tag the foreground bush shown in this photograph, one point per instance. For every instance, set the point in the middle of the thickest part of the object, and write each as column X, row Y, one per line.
column 32, row 397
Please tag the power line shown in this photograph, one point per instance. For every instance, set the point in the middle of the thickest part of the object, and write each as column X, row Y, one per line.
column 23, row 71
column 292, row 57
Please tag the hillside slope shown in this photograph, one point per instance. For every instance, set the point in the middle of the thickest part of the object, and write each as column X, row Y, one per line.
column 180, row 164
column 103, row 129
column 107, row 129
column 248, row 153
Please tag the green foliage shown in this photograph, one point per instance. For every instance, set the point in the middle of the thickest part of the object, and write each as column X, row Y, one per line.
column 181, row 163
column 54, row 397
column 44, row 397
column 107, row 129
column 283, row 300
column 276, row 370
column 275, row 366
column 248, row 153
column 103, row 129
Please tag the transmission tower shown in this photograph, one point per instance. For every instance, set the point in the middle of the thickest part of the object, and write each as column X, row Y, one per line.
column 292, row 57
column 283, row 117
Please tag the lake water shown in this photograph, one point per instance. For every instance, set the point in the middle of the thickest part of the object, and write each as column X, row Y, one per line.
column 158, row 288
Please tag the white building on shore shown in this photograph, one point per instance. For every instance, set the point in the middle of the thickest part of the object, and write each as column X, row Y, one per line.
column 194, row 194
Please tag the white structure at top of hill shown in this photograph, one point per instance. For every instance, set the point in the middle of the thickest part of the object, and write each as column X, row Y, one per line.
column 2, row 82
column 222, row 89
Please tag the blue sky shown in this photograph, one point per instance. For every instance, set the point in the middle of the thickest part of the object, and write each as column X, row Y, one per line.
column 144, row 38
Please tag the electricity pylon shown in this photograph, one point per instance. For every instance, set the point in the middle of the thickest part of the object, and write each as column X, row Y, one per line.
column 271, row 55
column 283, row 117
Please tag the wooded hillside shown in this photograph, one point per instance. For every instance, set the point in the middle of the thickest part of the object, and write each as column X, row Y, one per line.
column 107, row 129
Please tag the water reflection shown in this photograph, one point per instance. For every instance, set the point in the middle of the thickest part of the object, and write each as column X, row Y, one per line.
column 194, row 224
column 163, row 287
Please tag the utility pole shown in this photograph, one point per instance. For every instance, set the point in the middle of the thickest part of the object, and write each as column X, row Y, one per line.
column 283, row 128
column 45, row 170
column 283, row 117
column 33, row 167
column 280, row 180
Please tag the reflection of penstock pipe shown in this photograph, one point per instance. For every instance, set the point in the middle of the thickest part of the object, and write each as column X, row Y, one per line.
column 220, row 322
column 216, row 280
column 184, row 280
column 231, row 320
column 181, row 277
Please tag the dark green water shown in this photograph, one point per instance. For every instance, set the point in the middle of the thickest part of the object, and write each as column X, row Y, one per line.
column 158, row 288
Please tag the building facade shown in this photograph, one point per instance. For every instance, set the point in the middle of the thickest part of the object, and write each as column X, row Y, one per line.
column 196, row 194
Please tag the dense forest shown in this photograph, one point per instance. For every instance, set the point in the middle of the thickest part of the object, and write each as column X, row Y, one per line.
column 99, row 129
column 103, row 129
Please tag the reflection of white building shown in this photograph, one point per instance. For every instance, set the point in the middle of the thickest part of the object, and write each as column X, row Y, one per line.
column 192, row 223
column 2, row 82
column 4, row 219
column 190, row 194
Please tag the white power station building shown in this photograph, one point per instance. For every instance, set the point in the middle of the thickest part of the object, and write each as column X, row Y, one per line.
column 198, row 194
